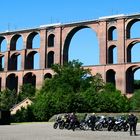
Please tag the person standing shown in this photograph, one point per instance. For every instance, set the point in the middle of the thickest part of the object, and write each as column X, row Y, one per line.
column 132, row 120
column 93, row 121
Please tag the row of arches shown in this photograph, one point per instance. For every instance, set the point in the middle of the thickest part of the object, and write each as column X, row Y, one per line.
column 129, row 78
column 131, row 50
column 17, row 42
column 12, row 80
column 132, row 30
column 33, row 58
column 32, row 61
column 33, row 41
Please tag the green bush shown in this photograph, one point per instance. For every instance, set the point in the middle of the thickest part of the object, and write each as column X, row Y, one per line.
column 135, row 101
column 24, row 115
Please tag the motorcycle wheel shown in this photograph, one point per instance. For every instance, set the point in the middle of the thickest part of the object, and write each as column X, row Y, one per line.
column 126, row 128
column 99, row 127
column 115, row 128
column 109, row 128
column 61, row 126
column 55, row 125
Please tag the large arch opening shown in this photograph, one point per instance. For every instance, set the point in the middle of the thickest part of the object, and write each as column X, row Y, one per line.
column 29, row 78
column 32, row 60
column 81, row 44
column 110, row 77
column 12, row 82
column 3, row 44
column 132, row 30
column 16, row 43
column 112, row 54
column 132, row 52
column 33, row 40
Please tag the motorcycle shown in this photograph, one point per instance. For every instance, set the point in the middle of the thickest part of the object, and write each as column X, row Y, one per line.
column 121, row 124
column 58, row 123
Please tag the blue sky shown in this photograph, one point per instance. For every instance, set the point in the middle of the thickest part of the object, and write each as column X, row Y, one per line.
column 20, row 14
column 33, row 13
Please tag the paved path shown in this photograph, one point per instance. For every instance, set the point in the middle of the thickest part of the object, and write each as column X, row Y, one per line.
column 45, row 131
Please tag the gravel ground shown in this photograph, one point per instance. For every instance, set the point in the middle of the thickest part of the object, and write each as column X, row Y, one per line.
column 45, row 131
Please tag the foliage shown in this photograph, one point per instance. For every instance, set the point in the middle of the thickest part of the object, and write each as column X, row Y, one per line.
column 74, row 89
column 69, row 77
column 62, row 92
column 24, row 115
column 136, row 84
column 71, row 89
column 113, row 102
column 135, row 101
column 106, row 100
column 27, row 90
column 8, row 98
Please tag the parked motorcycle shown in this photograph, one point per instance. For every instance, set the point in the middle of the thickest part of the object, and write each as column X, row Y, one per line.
column 121, row 124
column 58, row 123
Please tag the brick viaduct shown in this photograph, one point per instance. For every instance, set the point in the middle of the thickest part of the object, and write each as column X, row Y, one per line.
column 54, row 44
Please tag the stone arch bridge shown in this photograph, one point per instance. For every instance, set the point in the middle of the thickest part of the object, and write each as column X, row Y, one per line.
column 53, row 48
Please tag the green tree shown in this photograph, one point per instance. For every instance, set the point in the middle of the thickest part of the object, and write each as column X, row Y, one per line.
column 62, row 93
column 135, row 101
column 111, row 100
column 8, row 99
column 136, row 85
column 74, row 89
column 27, row 90
column 24, row 115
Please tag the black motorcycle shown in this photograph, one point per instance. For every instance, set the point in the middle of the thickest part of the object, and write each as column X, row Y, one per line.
column 121, row 124
column 101, row 124
column 58, row 123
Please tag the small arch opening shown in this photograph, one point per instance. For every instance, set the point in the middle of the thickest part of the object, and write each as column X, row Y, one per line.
column 132, row 52
column 50, row 59
column 137, row 80
column 51, row 40
column 19, row 43
column 132, row 30
column 47, row 75
column 1, row 63
column 32, row 60
column 112, row 33
column 29, row 78
column 132, row 79
column 112, row 54
column 110, row 77
column 16, row 43
column 12, row 82
column 33, row 40
column 15, row 62
column 3, row 44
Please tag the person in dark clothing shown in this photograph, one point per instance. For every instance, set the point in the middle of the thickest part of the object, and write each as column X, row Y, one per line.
column 93, row 121
column 132, row 120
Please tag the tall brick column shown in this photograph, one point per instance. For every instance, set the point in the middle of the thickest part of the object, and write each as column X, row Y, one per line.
column 103, row 42
column 57, row 48
column 121, row 40
column 42, row 49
